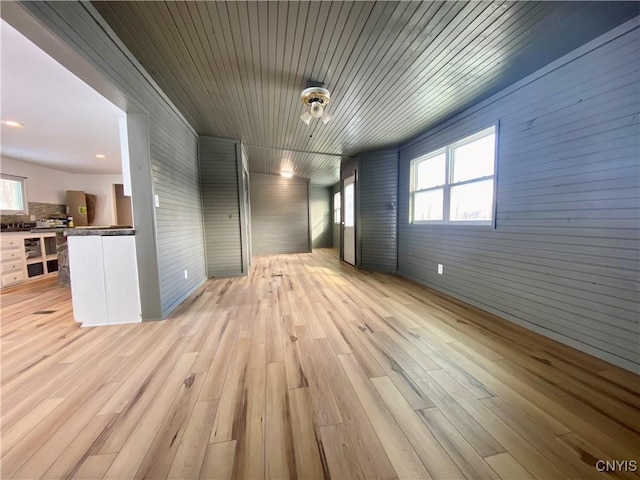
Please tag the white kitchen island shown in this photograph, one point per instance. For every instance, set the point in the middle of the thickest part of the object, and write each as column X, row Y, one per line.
column 104, row 276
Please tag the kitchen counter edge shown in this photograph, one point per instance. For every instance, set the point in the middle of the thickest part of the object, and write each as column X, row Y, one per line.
column 86, row 232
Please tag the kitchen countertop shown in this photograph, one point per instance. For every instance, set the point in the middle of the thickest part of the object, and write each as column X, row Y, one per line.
column 88, row 231
column 48, row 229
column 103, row 232
column 28, row 231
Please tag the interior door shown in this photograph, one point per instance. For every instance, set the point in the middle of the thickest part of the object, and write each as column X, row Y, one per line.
column 349, row 224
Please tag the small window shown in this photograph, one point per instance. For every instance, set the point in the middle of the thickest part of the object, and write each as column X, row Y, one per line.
column 456, row 184
column 349, row 205
column 12, row 194
column 336, row 208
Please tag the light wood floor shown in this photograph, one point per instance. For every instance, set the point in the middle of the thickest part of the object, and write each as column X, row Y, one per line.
column 307, row 368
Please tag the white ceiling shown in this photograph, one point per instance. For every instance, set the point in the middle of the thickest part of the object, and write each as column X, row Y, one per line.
column 66, row 122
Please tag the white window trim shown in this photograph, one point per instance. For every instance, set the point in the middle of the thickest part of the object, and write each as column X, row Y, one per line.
column 446, row 187
column 16, row 178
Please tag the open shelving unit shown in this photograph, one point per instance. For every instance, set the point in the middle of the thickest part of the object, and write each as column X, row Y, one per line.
column 41, row 257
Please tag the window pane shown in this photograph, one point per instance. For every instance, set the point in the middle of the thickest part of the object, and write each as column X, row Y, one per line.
column 336, row 207
column 428, row 205
column 474, row 160
column 472, row 202
column 431, row 172
column 349, row 205
column 11, row 195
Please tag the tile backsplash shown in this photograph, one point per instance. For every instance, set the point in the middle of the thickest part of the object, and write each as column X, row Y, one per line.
column 47, row 210
column 40, row 210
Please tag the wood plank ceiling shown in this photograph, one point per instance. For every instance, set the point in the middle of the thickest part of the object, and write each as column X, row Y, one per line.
column 236, row 69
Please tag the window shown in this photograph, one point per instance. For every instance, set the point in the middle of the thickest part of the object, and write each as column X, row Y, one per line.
column 456, row 184
column 12, row 194
column 336, row 207
column 349, row 205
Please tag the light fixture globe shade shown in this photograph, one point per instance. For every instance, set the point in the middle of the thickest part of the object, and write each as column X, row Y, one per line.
column 306, row 117
column 316, row 110
column 325, row 118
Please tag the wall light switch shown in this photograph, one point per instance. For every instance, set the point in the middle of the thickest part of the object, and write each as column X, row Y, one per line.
column 440, row 269
column 186, row 273
column 156, row 200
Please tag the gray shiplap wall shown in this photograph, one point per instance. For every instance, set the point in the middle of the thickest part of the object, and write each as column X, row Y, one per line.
column 378, row 210
column 172, row 233
column 279, row 214
column 220, row 159
column 321, row 217
column 179, row 232
column 564, row 257
column 335, row 227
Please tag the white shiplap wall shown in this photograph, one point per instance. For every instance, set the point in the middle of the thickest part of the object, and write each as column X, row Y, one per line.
column 564, row 257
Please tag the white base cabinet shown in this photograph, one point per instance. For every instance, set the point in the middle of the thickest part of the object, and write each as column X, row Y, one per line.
column 12, row 265
column 104, row 279
column 26, row 256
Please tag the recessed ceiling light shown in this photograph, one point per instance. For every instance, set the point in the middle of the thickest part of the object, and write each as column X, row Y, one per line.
column 286, row 174
column 12, row 123
column 101, row 156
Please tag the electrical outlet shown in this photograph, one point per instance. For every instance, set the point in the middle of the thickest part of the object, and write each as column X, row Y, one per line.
column 440, row 269
column 32, row 218
column 186, row 273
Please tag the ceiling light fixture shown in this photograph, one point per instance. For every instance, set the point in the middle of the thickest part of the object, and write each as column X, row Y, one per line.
column 101, row 156
column 12, row 123
column 316, row 98
column 286, row 174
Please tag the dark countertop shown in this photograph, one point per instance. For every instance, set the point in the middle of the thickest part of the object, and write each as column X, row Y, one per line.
column 102, row 232
column 6, row 229
column 87, row 231
column 48, row 229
